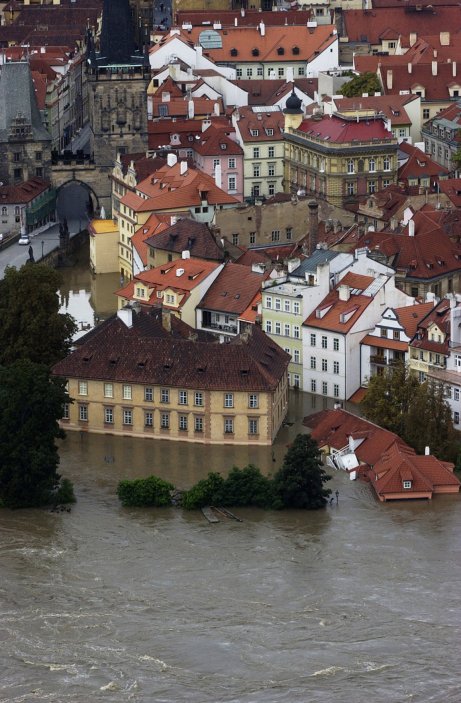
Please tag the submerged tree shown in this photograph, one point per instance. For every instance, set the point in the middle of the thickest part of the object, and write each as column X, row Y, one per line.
column 300, row 481
column 30, row 405
column 389, row 397
column 364, row 83
column 31, row 326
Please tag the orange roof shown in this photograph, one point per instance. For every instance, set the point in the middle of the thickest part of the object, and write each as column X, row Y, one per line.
column 276, row 44
column 384, row 343
column 339, row 315
column 251, row 313
column 234, row 290
column 410, row 316
column 154, row 225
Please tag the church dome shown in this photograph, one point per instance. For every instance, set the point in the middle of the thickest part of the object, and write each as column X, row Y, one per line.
column 293, row 105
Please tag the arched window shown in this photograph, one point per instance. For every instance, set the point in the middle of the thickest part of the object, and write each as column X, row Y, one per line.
column 371, row 165
column 350, row 166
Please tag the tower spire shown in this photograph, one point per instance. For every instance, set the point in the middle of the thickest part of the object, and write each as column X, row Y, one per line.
column 117, row 35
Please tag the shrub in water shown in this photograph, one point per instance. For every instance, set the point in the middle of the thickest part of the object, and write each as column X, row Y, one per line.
column 65, row 492
column 246, row 487
column 203, row 493
column 145, row 492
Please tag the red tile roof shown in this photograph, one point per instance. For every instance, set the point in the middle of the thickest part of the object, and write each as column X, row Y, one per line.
column 392, row 106
column 340, row 130
column 270, row 91
column 22, row 192
column 188, row 234
column 257, row 126
column 233, row 290
column 213, row 142
column 341, row 315
column 419, row 164
column 154, row 225
column 384, row 343
column 451, row 187
column 249, row 18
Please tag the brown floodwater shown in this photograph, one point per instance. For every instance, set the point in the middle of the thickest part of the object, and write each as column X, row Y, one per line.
column 358, row 602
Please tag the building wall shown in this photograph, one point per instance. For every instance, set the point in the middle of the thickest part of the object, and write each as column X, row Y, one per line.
column 260, row 156
column 104, row 251
column 231, row 167
column 269, row 414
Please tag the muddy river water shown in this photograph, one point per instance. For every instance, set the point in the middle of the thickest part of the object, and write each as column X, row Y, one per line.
column 358, row 603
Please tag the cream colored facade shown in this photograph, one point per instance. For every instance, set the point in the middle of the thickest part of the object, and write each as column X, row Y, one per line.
column 192, row 415
column 103, row 246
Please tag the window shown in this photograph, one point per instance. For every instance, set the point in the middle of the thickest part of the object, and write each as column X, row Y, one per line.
column 313, row 385
column 148, row 393
column 269, row 302
column 324, row 342
column 296, row 380
column 301, row 71
column 259, row 71
column 163, row 110
column 278, row 328
column 65, row 411
column 324, row 365
column 407, row 484
column 148, row 418
column 426, row 113
column 126, row 392
column 275, row 235
column 313, row 340
column 127, row 416
column 297, row 356
column 271, row 169
column 83, row 387
column 256, row 170
column 396, row 334
column 278, row 304
column 252, row 425
column 182, row 397
column 268, row 326
column 296, row 308
column 249, row 73
column 271, row 152
column 165, row 421
column 235, row 239
column 182, row 422
column 228, row 425
column 386, row 182
column 336, row 344
column 17, row 156
column 271, row 188
column 17, row 174
column 324, row 388
column 383, row 332
column 198, row 424
column 39, row 172
column 109, row 416
column 335, row 366
column 198, row 399
column 239, row 73
column 313, row 362
column 231, row 162
column 350, row 166
column 296, row 332
column 256, row 152
column 335, row 390
column 216, row 162
column 371, row 165
column 289, row 233
column 371, row 186
column 350, row 188
column 252, row 237
column 165, row 395
column 256, row 190
column 286, row 329
column 228, row 400
column 231, row 183
column 253, row 400
column 402, row 132
column 83, row 413
column 286, row 305
column 455, row 393
column 456, row 418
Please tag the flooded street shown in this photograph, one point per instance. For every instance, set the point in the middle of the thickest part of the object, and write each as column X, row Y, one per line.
column 359, row 602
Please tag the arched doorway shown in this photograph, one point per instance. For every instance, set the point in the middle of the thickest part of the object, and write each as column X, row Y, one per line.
column 77, row 203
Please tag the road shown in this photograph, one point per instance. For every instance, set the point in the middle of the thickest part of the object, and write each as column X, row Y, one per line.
column 42, row 243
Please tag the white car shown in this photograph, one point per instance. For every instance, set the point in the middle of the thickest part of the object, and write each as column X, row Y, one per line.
column 24, row 239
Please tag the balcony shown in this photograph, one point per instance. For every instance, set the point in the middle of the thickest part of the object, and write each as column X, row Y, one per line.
column 382, row 360
column 227, row 329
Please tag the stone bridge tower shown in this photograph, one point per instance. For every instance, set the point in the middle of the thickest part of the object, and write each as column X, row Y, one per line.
column 118, row 78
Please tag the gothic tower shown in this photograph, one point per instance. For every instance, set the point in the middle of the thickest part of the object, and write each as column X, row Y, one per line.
column 118, row 79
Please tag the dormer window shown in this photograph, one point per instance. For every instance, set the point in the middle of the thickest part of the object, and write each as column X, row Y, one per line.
column 233, row 52
column 407, row 485
column 280, row 51
column 255, row 51
column 295, row 50
column 254, row 132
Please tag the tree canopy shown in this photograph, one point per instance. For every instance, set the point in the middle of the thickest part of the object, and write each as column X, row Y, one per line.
column 299, row 482
column 364, row 83
column 417, row 412
column 30, row 405
column 31, row 326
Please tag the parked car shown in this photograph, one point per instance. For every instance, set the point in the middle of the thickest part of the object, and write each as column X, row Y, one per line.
column 24, row 239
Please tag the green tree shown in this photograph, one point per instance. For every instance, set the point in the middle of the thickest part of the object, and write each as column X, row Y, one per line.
column 204, row 492
column 245, row 487
column 389, row 397
column 299, row 483
column 30, row 405
column 364, row 83
column 145, row 492
column 31, row 326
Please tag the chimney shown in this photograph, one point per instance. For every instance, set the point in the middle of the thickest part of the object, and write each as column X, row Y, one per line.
column 444, row 38
column 453, row 68
column 413, row 38
column 190, row 109
column 313, row 225
column 218, row 175
column 411, row 228
column 427, row 451
column 126, row 315
column 171, row 160
column 389, row 79
column 236, row 22
column 182, row 168
column 293, row 264
column 185, row 254
column 216, row 109
column 434, row 68
column 410, row 67
column 262, row 28
column 344, row 292
column 166, row 320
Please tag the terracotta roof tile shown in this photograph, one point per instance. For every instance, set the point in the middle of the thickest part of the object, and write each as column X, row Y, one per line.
column 190, row 235
column 233, row 290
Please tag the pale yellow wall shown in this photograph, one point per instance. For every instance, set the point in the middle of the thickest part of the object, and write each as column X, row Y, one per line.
column 213, row 413
column 104, row 251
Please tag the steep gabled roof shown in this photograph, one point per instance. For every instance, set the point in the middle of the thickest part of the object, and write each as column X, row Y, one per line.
column 233, row 290
column 188, row 235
